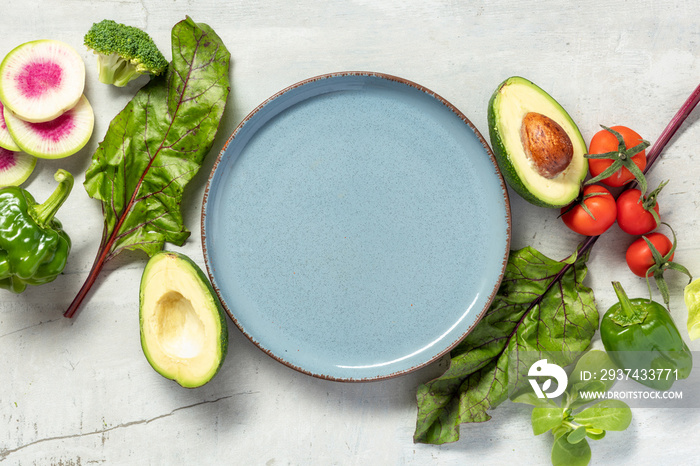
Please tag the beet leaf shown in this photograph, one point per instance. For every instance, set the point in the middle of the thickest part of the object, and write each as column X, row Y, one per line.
column 542, row 308
column 154, row 147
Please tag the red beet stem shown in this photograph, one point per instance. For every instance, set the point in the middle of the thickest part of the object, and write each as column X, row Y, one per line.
column 672, row 127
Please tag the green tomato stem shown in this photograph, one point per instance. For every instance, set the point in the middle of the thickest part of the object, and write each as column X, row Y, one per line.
column 661, row 264
column 649, row 202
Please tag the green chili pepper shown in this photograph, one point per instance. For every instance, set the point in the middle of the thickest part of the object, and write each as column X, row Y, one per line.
column 33, row 246
column 641, row 337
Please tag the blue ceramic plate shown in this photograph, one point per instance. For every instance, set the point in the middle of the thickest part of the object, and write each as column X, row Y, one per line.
column 355, row 226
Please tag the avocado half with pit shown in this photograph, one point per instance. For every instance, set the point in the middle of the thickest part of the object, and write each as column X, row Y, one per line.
column 537, row 145
column 184, row 335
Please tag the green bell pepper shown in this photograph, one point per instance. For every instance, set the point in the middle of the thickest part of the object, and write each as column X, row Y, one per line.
column 33, row 246
column 640, row 336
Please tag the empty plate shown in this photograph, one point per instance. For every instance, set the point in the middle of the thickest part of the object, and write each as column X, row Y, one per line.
column 356, row 226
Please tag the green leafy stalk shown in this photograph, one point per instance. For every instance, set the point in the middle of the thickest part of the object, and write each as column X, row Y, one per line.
column 527, row 313
column 155, row 146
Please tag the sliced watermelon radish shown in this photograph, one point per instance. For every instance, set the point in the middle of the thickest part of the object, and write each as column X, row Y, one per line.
column 6, row 141
column 57, row 138
column 40, row 80
column 15, row 167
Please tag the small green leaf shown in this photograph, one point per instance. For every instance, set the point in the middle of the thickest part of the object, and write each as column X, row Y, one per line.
column 691, row 296
column 606, row 415
column 595, row 434
column 576, row 435
column 587, row 377
column 530, row 398
column 560, row 431
column 570, row 454
column 591, row 362
column 594, row 386
column 546, row 418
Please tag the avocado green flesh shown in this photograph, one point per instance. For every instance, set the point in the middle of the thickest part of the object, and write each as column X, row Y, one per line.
column 183, row 329
column 509, row 104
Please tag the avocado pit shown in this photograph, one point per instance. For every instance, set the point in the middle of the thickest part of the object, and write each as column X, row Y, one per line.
column 546, row 144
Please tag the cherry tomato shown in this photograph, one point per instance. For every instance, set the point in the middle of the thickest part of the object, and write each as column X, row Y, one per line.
column 602, row 207
column 639, row 257
column 604, row 141
column 632, row 217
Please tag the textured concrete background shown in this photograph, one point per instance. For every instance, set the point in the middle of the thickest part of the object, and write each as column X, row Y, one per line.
column 80, row 392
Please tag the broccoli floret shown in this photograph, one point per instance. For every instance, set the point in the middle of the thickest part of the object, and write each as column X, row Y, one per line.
column 123, row 52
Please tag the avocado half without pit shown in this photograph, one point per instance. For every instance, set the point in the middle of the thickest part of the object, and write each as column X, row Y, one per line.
column 184, row 335
column 537, row 145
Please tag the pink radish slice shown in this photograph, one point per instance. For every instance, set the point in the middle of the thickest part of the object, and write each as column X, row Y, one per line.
column 15, row 167
column 40, row 80
column 57, row 138
column 6, row 141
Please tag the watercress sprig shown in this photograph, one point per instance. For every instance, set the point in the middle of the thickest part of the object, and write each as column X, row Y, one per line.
column 571, row 422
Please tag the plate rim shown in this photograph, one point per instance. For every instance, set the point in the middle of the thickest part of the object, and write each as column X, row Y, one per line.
column 388, row 77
